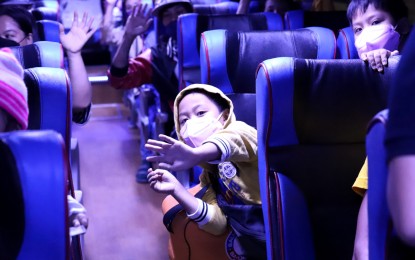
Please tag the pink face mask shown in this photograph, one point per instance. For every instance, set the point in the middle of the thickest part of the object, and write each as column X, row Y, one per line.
column 380, row 36
column 198, row 129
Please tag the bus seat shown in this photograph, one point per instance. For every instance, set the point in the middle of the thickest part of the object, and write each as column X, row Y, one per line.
column 49, row 98
column 33, row 187
column 383, row 240
column 333, row 20
column 345, row 44
column 229, row 59
column 52, row 4
column 311, row 119
column 40, row 54
column 48, row 30
column 218, row 8
column 190, row 26
column 45, row 13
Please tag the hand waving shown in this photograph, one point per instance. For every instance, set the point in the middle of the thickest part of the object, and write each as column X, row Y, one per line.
column 139, row 20
column 80, row 32
column 173, row 155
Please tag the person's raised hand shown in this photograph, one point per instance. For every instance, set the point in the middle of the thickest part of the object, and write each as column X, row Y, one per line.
column 139, row 21
column 172, row 155
column 80, row 32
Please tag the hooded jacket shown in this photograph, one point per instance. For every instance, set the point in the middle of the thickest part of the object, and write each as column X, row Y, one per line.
column 237, row 169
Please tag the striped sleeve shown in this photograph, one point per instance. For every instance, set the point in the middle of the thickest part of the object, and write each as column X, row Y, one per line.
column 203, row 214
column 223, row 146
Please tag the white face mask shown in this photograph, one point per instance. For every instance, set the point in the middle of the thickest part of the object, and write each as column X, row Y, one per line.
column 196, row 130
column 380, row 36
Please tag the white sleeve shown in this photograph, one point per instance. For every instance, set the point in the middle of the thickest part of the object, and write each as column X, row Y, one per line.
column 203, row 214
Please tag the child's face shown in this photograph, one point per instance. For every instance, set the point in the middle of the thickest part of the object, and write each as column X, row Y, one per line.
column 371, row 17
column 197, row 105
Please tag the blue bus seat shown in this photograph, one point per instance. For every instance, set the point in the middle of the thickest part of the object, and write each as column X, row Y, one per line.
column 229, row 59
column 190, row 26
column 311, row 119
column 33, row 171
column 333, row 20
column 49, row 100
column 39, row 54
column 45, row 13
column 383, row 240
column 218, row 8
column 345, row 44
column 48, row 30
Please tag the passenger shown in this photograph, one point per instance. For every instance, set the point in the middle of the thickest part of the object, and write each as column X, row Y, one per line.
column 400, row 148
column 112, row 29
column 380, row 28
column 156, row 65
column 371, row 19
column 14, row 112
column 16, row 24
column 226, row 149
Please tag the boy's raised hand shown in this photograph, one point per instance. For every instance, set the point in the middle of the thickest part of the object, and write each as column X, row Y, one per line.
column 162, row 181
column 378, row 59
column 173, row 155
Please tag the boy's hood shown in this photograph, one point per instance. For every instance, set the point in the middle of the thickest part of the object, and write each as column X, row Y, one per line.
column 204, row 87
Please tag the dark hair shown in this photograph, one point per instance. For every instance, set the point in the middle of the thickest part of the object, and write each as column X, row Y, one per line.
column 396, row 8
column 216, row 98
column 22, row 17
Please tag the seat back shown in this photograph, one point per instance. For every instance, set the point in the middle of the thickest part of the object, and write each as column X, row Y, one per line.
column 345, row 44
column 217, row 8
column 48, row 30
column 311, row 118
column 383, row 241
column 229, row 59
column 190, row 26
column 333, row 20
column 33, row 172
column 49, row 98
column 45, row 13
column 39, row 54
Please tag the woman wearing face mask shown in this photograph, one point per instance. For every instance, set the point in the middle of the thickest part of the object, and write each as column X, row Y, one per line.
column 380, row 29
column 18, row 25
column 228, row 193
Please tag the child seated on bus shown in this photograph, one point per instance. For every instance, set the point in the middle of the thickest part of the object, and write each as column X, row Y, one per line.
column 226, row 149
column 380, row 29
column 14, row 112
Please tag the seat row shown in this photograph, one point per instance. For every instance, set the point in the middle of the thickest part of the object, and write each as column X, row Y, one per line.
column 191, row 47
column 37, row 162
column 311, row 115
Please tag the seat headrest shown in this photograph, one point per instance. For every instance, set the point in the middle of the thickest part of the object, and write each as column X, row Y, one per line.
column 333, row 20
column 45, row 13
column 218, row 8
column 328, row 98
column 49, row 99
column 39, row 54
column 230, row 59
column 48, row 30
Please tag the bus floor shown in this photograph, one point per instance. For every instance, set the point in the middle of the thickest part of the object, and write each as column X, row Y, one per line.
column 125, row 219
